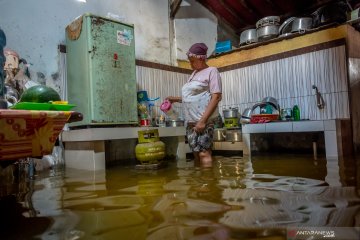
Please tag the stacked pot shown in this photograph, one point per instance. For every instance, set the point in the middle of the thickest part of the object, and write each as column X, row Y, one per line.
column 267, row 28
column 248, row 36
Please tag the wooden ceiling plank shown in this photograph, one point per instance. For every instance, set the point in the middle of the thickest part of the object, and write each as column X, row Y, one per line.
column 231, row 11
column 250, row 9
column 208, row 6
column 263, row 7
column 241, row 11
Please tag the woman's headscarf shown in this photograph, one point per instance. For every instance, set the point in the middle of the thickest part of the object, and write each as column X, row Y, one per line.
column 198, row 50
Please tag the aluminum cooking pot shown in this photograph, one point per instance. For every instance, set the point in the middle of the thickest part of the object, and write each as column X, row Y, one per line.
column 174, row 123
column 231, row 113
column 330, row 13
column 301, row 24
column 219, row 135
column 267, row 32
column 269, row 20
column 233, row 136
column 248, row 36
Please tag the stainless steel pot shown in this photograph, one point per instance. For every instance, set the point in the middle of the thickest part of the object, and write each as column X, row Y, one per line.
column 231, row 113
column 174, row 123
column 269, row 20
column 301, row 24
column 285, row 35
column 267, row 32
column 334, row 12
column 233, row 136
column 248, row 36
column 219, row 135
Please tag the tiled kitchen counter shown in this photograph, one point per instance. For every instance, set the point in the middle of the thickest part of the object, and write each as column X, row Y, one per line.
column 85, row 148
column 332, row 133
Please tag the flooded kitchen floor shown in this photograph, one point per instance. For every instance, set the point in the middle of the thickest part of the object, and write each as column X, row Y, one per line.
column 267, row 197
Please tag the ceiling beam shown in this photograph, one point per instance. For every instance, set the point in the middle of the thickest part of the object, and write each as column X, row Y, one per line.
column 174, row 7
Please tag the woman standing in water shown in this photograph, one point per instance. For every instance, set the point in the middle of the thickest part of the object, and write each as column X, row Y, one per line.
column 201, row 95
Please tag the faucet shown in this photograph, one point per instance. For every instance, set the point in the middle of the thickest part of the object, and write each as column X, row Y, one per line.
column 319, row 99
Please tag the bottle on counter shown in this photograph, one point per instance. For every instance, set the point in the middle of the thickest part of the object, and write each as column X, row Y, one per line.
column 296, row 113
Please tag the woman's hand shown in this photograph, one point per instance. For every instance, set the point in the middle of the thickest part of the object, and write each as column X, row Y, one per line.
column 199, row 127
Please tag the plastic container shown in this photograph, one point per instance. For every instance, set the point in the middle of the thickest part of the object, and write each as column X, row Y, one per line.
column 224, row 46
column 167, row 108
column 261, row 118
column 296, row 113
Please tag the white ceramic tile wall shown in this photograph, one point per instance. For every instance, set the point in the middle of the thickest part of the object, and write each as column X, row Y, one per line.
column 160, row 83
column 290, row 80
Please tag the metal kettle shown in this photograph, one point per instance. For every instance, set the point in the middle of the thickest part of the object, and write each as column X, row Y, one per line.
column 246, row 116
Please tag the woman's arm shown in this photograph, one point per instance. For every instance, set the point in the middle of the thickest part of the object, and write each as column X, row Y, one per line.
column 174, row 99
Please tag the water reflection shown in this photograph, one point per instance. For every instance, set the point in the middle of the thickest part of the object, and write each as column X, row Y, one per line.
column 236, row 198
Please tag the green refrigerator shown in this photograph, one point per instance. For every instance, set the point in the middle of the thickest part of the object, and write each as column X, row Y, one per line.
column 101, row 74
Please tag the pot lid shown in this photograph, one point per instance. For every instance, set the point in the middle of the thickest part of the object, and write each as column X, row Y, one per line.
column 230, row 109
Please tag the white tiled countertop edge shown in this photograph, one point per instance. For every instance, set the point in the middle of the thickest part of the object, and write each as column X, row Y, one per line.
column 291, row 126
column 99, row 134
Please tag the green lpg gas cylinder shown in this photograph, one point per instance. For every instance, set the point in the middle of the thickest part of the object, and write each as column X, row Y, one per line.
column 148, row 153
column 148, row 135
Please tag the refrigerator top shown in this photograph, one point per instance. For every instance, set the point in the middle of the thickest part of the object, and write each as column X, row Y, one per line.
column 101, row 17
